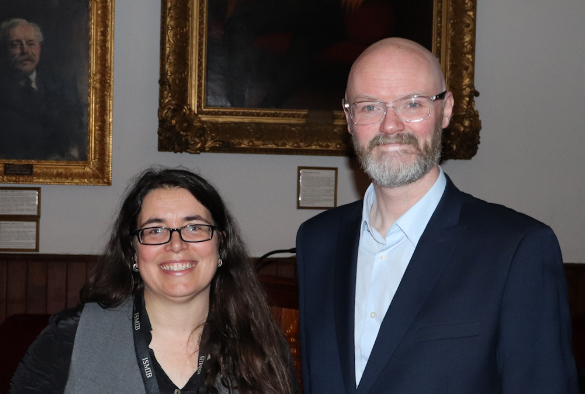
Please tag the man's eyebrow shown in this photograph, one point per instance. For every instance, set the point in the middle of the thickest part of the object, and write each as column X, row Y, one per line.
column 367, row 98
column 370, row 98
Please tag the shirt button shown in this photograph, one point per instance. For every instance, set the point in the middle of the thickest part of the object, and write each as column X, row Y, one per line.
column 372, row 314
column 177, row 391
column 383, row 257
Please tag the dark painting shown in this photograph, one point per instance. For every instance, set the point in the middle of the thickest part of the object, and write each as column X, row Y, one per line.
column 44, row 66
column 296, row 54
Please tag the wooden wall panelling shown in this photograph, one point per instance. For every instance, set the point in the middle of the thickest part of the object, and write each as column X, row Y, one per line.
column 575, row 274
column 3, row 278
column 56, row 287
column 36, row 293
column 280, row 267
column 41, row 284
column 76, row 274
column 16, row 287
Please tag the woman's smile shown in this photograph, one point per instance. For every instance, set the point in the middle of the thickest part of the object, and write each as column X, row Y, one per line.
column 176, row 267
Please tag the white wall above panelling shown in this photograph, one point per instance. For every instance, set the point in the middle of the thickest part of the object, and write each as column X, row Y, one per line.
column 530, row 71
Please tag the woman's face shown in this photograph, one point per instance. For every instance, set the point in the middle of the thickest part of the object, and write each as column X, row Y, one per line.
column 177, row 270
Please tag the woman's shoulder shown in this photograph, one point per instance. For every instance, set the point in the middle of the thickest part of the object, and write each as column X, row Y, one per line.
column 66, row 318
column 45, row 366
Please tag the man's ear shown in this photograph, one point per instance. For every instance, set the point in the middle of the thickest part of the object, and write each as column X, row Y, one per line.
column 447, row 109
column 347, row 117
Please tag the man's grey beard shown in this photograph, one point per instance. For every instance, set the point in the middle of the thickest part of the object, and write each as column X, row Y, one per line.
column 392, row 169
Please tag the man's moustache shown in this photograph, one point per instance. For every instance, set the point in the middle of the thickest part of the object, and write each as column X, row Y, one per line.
column 24, row 59
column 401, row 138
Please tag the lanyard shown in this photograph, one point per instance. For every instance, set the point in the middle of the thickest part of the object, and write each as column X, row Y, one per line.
column 141, row 329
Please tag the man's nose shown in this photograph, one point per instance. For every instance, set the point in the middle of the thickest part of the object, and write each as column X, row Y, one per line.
column 391, row 123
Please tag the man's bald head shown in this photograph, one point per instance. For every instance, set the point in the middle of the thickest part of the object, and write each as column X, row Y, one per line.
column 384, row 56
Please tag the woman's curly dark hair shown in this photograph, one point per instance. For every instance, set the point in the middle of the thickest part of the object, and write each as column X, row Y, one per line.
column 247, row 349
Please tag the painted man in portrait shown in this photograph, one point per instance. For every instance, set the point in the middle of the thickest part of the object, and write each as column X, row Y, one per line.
column 41, row 115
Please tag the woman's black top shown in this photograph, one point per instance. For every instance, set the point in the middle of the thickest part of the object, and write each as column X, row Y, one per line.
column 45, row 367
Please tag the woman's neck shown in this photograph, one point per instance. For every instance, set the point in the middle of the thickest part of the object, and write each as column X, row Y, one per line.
column 178, row 317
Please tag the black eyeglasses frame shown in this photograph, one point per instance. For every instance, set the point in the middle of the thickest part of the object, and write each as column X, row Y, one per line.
column 172, row 230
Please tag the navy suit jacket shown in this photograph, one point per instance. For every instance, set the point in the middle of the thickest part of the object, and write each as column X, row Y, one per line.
column 482, row 306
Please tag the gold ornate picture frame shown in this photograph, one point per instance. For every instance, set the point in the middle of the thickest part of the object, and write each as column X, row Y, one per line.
column 94, row 59
column 186, row 124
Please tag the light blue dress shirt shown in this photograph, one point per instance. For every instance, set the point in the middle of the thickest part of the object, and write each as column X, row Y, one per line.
column 381, row 265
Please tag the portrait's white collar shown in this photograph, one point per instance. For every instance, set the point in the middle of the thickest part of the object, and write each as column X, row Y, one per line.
column 33, row 79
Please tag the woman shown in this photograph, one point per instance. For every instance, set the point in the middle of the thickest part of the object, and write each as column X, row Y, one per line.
column 173, row 306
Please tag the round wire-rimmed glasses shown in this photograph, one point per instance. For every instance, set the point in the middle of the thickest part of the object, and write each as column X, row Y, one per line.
column 410, row 109
column 161, row 235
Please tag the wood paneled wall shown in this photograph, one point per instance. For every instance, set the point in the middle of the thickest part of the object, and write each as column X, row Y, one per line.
column 46, row 283
column 41, row 283
column 576, row 282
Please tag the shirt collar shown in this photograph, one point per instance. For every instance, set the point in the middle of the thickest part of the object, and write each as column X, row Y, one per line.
column 414, row 221
column 33, row 80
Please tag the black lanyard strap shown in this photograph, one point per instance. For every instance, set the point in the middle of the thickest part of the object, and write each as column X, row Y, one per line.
column 141, row 330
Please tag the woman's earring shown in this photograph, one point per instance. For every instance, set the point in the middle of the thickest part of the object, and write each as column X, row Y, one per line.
column 134, row 266
column 220, row 263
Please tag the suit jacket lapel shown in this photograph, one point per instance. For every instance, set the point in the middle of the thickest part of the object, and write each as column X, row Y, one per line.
column 344, row 303
column 430, row 257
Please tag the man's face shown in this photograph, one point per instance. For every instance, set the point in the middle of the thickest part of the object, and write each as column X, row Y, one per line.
column 395, row 152
column 24, row 49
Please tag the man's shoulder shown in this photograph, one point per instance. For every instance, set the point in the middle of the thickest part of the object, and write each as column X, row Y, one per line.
column 352, row 211
column 8, row 86
column 495, row 216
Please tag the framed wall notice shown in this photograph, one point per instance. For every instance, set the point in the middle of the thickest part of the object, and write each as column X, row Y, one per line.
column 316, row 187
column 20, row 211
column 18, row 235
column 20, row 201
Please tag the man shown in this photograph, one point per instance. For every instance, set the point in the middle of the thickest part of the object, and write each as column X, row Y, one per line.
column 421, row 288
column 41, row 116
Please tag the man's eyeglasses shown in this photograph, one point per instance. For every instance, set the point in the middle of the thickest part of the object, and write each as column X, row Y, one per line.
column 409, row 109
column 162, row 235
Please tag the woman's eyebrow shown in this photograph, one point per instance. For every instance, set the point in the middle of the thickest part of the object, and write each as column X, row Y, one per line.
column 151, row 221
column 191, row 218
column 195, row 217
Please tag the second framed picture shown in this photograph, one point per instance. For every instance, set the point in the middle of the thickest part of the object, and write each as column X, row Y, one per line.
column 268, row 76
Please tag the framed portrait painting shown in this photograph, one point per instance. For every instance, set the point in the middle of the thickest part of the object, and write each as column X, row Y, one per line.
column 56, row 91
column 268, row 76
